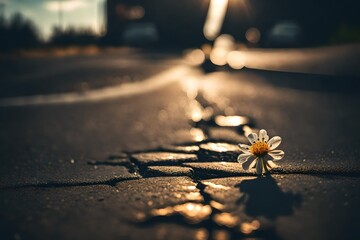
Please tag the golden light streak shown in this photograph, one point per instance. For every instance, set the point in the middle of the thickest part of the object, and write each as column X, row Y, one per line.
column 193, row 212
column 249, row 227
column 215, row 18
column 231, row 121
column 195, row 57
column 236, row 60
column 253, row 35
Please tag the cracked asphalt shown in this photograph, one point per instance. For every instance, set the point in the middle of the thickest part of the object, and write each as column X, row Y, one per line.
column 159, row 164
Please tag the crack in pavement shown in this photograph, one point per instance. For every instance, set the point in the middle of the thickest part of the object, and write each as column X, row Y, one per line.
column 111, row 182
column 205, row 157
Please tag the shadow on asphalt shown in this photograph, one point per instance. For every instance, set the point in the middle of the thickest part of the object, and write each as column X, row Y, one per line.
column 263, row 198
column 306, row 81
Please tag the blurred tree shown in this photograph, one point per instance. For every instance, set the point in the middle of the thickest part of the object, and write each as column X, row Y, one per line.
column 18, row 33
column 346, row 33
column 73, row 36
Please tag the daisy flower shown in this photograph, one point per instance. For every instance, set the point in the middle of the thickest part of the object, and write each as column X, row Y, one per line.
column 261, row 153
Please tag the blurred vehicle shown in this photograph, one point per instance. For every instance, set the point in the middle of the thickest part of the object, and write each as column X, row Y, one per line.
column 140, row 34
column 284, row 34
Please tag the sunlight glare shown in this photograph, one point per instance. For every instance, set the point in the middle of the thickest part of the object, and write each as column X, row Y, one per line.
column 66, row 6
column 253, row 35
column 215, row 18
column 236, row 60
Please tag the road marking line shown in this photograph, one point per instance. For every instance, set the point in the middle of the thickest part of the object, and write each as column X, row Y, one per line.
column 122, row 90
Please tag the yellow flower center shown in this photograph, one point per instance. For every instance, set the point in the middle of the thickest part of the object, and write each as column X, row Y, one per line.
column 259, row 148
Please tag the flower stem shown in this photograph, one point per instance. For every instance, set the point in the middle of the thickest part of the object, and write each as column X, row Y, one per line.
column 264, row 165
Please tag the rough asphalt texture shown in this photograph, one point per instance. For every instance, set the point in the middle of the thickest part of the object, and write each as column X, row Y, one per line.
column 138, row 167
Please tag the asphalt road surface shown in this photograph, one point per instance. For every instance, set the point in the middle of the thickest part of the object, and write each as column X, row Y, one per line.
column 123, row 145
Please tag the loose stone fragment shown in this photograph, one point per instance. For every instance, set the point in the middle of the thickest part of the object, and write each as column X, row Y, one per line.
column 163, row 158
column 153, row 171
column 219, row 152
column 217, row 169
column 182, row 149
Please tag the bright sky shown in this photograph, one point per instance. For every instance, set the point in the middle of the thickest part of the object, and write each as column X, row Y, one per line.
column 45, row 13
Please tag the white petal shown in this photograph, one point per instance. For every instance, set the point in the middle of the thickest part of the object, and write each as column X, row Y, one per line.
column 274, row 142
column 249, row 163
column 271, row 164
column 263, row 135
column 245, row 148
column 259, row 167
column 253, row 137
column 243, row 157
column 252, row 165
column 276, row 154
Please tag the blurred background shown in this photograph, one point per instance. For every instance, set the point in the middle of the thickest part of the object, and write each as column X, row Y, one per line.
column 183, row 24
column 88, row 88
